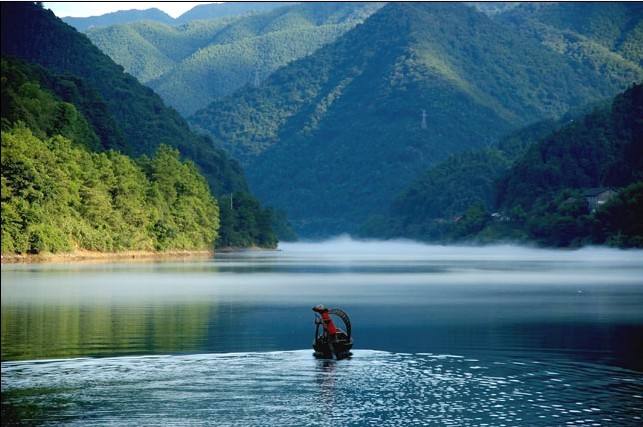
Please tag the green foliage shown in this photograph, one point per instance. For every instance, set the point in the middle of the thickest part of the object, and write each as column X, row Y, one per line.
column 474, row 220
column 537, row 183
column 585, row 31
column 58, row 197
column 562, row 220
column 192, row 64
column 604, row 149
column 619, row 219
column 35, row 35
column 106, row 109
column 344, row 124
column 55, row 105
column 246, row 223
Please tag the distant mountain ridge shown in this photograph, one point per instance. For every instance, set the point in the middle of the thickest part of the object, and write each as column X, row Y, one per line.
column 119, row 17
column 228, row 9
column 192, row 64
column 203, row 11
column 333, row 137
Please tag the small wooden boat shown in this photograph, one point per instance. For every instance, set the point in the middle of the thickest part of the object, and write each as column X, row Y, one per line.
column 332, row 346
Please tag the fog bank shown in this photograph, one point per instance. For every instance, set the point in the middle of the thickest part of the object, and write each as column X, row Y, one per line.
column 346, row 246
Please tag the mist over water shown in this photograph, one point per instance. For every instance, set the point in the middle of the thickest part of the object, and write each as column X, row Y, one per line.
column 502, row 335
column 345, row 245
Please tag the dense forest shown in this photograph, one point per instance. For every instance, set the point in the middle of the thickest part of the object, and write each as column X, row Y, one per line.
column 359, row 120
column 59, row 194
column 101, row 124
column 540, row 195
column 35, row 35
column 191, row 65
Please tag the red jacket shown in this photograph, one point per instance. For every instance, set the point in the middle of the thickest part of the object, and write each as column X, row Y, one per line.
column 328, row 324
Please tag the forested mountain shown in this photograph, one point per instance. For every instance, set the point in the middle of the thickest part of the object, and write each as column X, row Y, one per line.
column 540, row 196
column 119, row 17
column 192, row 64
column 545, row 194
column 37, row 36
column 199, row 12
column 70, row 91
column 333, row 137
column 449, row 187
column 606, row 36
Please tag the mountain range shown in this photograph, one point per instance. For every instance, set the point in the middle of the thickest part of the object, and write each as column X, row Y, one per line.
column 335, row 136
column 401, row 108
column 192, row 64
column 202, row 11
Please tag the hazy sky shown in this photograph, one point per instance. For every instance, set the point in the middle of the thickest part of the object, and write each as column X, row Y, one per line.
column 91, row 8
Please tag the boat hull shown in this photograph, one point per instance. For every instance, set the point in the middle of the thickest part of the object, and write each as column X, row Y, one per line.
column 338, row 347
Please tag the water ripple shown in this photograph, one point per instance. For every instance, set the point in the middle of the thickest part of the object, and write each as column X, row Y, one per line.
column 292, row 388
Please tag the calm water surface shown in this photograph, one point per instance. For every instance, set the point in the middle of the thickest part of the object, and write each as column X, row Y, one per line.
column 443, row 336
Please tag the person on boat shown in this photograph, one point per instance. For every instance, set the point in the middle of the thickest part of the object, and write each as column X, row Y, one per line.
column 326, row 320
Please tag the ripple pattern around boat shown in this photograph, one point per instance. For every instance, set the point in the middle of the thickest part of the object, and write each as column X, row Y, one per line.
column 292, row 388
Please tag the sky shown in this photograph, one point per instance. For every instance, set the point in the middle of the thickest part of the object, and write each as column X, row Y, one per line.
column 91, row 8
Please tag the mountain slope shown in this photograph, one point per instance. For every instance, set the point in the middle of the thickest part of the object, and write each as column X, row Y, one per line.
column 605, row 148
column 605, row 36
column 581, row 29
column 538, row 177
column 335, row 136
column 37, row 36
column 545, row 192
column 199, row 12
column 192, row 64
column 122, row 115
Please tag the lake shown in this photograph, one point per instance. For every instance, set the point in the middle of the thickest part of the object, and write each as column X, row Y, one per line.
column 444, row 336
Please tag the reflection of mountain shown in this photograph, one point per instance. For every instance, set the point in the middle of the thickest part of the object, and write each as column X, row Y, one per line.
column 38, row 331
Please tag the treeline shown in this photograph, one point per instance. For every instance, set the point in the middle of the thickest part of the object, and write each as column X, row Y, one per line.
column 531, row 187
column 57, row 197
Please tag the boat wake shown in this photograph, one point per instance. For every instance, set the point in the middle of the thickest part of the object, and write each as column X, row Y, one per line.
column 294, row 388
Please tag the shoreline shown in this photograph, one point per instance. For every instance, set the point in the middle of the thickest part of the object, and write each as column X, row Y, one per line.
column 82, row 256
column 94, row 256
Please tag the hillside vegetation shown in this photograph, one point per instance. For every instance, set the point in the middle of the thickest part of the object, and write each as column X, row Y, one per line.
column 51, row 117
column 538, row 196
column 35, row 35
column 192, row 64
column 59, row 196
column 335, row 136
